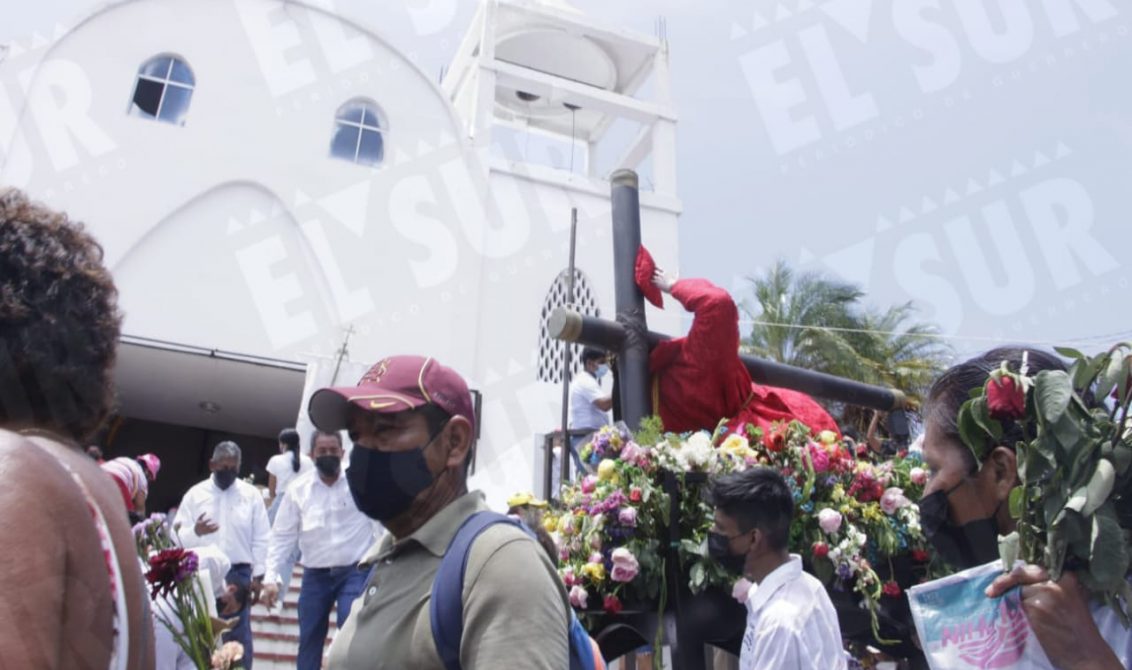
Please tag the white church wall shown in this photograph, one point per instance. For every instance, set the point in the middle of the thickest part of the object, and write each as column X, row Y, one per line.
column 238, row 231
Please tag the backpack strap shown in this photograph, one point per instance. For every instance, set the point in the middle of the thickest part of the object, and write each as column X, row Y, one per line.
column 446, row 606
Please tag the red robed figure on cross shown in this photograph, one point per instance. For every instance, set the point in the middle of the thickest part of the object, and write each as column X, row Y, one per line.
column 699, row 379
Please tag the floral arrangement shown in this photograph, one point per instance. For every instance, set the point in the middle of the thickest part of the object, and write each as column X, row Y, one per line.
column 1074, row 459
column 180, row 602
column 851, row 515
column 609, row 533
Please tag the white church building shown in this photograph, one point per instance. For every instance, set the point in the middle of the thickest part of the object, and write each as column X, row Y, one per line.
column 284, row 198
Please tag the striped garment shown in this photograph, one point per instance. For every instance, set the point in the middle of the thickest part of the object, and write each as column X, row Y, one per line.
column 129, row 476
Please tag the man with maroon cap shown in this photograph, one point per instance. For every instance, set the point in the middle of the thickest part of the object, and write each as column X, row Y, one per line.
column 413, row 426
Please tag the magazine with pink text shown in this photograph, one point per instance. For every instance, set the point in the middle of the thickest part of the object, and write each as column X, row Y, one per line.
column 960, row 628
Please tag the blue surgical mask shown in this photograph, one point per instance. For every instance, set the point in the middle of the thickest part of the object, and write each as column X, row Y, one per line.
column 601, row 371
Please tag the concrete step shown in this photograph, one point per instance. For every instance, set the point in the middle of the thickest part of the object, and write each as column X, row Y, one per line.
column 288, row 622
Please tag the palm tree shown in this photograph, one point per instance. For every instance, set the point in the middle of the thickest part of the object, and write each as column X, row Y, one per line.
column 816, row 322
column 794, row 312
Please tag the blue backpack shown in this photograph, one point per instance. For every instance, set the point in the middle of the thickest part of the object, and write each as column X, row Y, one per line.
column 446, row 609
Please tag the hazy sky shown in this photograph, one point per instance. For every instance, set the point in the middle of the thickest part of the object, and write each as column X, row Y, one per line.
column 973, row 158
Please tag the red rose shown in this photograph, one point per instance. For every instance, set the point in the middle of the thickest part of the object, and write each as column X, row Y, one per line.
column 891, row 589
column 920, row 556
column 634, row 494
column 821, row 550
column 775, row 440
column 612, row 604
column 1005, row 398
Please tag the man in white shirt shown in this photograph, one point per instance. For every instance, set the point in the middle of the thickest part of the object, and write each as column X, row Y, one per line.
column 318, row 515
column 228, row 512
column 791, row 623
column 589, row 403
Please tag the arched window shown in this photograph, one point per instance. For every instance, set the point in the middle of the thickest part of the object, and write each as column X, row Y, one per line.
column 358, row 133
column 164, row 90
column 550, row 350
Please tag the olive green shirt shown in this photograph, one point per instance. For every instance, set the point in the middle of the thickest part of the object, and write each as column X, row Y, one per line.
column 516, row 612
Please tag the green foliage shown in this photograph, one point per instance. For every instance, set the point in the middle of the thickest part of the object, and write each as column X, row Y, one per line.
column 1074, row 466
column 816, row 322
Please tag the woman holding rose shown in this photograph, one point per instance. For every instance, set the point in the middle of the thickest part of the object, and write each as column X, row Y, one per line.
column 965, row 508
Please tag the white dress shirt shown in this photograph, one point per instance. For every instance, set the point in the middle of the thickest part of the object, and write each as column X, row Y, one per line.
column 323, row 521
column 584, row 390
column 791, row 623
column 240, row 514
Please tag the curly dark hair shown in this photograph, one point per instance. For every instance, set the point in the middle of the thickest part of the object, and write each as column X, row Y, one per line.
column 59, row 322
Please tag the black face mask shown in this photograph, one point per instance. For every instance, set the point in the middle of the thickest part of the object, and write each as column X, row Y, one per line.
column 328, row 465
column 384, row 483
column 224, row 478
column 719, row 548
column 974, row 543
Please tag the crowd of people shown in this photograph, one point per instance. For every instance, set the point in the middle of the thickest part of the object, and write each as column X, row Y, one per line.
column 422, row 574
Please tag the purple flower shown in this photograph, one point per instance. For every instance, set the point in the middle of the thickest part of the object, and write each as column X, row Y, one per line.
column 627, row 517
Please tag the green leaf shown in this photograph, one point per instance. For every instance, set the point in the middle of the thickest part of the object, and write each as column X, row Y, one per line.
column 1108, row 558
column 1017, row 500
column 1069, row 352
column 1099, row 486
column 692, row 547
column 1052, row 391
column 1040, row 461
column 970, row 432
column 698, row 575
column 1085, row 370
column 1067, row 431
column 1110, row 375
column 981, row 414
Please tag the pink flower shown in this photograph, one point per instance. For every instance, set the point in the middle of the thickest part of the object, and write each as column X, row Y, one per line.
column 627, row 517
column 818, row 456
column 578, row 597
column 596, row 557
column 892, row 500
column 635, row 494
column 741, row 590
column 631, row 453
column 568, row 577
column 919, row 476
column 625, row 566
column 829, row 520
column 589, row 483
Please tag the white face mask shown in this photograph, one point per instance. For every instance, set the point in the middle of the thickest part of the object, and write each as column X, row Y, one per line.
column 601, row 371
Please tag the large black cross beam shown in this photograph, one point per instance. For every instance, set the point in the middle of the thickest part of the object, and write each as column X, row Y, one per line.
column 629, row 336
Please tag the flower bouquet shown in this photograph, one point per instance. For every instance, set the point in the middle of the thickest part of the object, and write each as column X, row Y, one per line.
column 1074, row 459
column 610, row 530
column 850, row 515
column 180, row 600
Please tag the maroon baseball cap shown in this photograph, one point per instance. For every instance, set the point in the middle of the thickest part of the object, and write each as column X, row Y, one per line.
column 394, row 384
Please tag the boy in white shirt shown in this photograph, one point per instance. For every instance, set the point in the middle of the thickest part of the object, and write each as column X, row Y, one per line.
column 791, row 623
